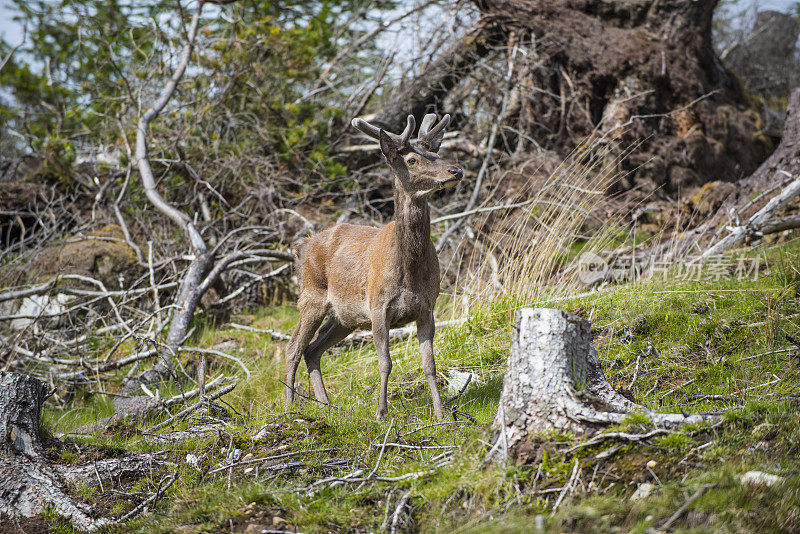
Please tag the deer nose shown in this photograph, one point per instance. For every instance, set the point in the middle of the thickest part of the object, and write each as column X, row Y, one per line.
column 456, row 172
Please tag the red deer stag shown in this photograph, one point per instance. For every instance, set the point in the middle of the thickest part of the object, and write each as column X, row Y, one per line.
column 379, row 278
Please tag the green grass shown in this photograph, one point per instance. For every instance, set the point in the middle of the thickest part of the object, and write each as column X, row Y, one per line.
column 707, row 337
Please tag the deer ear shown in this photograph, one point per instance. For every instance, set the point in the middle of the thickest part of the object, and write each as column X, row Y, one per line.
column 388, row 147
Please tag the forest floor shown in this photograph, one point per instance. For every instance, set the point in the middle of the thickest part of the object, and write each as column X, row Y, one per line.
column 716, row 344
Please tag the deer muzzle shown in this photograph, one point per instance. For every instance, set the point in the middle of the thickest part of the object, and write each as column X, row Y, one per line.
column 456, row 175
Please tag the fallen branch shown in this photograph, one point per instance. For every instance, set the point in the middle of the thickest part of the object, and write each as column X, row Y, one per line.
column 761, row 223
column 27, row 292
column 191, row 409
column 273, row 333
column 150, row 500
column 111, row 468
column 617, row 435
column 666, row 525
column 267, row 459
column 218, row 353
column 399, row 333
column 418, row 447
column 139, row 408
column 400, row 505
column 566, row 488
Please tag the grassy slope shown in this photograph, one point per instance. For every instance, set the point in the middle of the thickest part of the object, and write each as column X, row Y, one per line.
column 708, row 337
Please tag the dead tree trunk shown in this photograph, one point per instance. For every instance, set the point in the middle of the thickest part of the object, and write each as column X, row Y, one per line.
column 610, row 72
column 554, row 381
column 27, row 482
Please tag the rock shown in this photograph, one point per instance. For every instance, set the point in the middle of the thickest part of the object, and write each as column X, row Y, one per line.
column 234, row 455
column 255, row 528
column 457, row 380
column 263, row 432
column 9, row 307
column 760, row 478
column 642, row 491
column 104, row 255
column 192, row 460
column 40, row 306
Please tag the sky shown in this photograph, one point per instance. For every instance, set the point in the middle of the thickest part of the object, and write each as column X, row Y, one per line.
column 9, row 30
column 12, row 31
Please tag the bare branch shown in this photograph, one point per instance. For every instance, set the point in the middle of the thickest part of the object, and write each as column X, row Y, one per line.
column 142, row 161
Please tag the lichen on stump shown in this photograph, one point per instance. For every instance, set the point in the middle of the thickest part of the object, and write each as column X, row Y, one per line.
column 554, row 382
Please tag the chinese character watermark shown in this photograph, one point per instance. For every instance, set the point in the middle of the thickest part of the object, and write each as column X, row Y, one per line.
column 593, row 269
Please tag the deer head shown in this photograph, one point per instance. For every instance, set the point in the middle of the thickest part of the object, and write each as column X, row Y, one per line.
column 416, row 164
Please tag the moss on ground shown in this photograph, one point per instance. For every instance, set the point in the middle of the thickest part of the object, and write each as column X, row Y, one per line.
column 672, row 344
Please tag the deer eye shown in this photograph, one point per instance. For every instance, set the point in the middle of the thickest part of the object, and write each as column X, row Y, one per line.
column 411, row 161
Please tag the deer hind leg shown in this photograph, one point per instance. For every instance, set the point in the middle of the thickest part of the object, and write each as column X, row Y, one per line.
column 425, row 331
column 310, row 318
column 330, row 334
column 380, row 335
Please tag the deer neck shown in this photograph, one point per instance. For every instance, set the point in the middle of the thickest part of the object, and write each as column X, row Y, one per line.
column 412, row 228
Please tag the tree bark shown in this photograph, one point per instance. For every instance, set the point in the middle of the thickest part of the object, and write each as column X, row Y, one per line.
column 554, row 382
column 27, row 482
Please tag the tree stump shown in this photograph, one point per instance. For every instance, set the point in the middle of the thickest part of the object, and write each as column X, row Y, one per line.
column 554, row 381
column 27, row 482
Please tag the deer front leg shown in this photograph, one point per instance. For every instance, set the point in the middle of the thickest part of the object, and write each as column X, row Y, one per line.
column 380, row 335
column 425, row 332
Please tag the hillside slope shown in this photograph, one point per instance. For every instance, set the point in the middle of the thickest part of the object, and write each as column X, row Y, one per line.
column 693, row 342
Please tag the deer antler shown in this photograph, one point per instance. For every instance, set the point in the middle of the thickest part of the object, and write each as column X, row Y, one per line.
column 375, row 132
column 431, row 138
